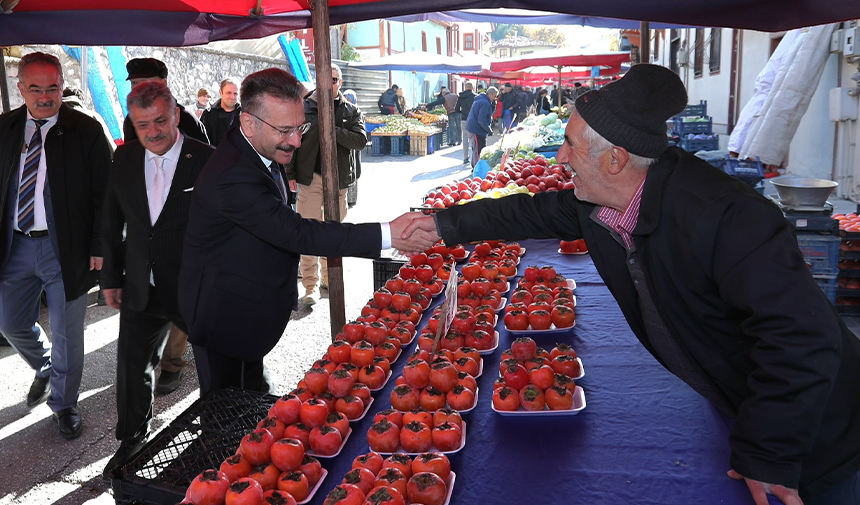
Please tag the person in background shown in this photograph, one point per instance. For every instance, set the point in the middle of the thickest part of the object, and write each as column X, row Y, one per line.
column 388, row 102
column 74, row 98
column 151, row 70
column 498, row 115
column 145, row 214
column 464, row 105
column 710, row 278
column 553, row 96
column 480, row 120
column 305, row 174
column 508, row 98
column 202, row 103
column 449, row 101
column 54, row 164
column 401, row 101
column 521, row 105
column 224, row 114
column 543, row 106
column 352, row 193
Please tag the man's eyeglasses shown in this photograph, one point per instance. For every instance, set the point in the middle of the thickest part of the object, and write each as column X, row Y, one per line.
column 284, row 132
column 335, row 80
column 43, row 91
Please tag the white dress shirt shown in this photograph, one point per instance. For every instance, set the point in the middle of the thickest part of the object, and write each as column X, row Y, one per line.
column 40, row 221
column 168, row 167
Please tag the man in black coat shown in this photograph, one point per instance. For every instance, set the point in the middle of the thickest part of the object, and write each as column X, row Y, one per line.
column 238, row 281
column 709, row 276
column 54, row 164
column 146, row 212
column 464, row 105
column 152, row 70
column 218, row 119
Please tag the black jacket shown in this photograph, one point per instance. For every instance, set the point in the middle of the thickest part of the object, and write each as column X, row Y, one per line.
column 133, row 246
column 241, row 253
column 389, row 99
column 188, row 124
column 350, row 136
column 209, row 118
column 730, row 283
column 78, row 161
column 464, row 103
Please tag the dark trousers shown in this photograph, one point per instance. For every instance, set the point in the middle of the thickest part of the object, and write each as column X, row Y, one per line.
column 219, row 371
column 846, row 492
column 142, row 336
column 480, row 143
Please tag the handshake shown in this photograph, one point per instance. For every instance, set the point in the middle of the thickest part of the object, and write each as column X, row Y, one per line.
column 413, row 233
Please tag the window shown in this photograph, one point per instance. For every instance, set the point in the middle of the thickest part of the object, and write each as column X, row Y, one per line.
column 503, row 53
column 438, row 45
column 714, row 50
column 699, row 52
column 424, row 41
column 468, row 42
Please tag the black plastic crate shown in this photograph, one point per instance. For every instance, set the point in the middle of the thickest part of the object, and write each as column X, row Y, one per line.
column 812, row 223
column 384, row 269
column 828, row 285
column 821, row 252
column 202, row 437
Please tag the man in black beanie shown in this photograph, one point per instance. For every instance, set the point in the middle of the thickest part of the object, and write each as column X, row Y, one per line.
column 709, row 277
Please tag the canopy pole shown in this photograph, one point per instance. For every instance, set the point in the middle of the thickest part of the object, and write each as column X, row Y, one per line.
column 559, row 89
column 328, row 155
column 4, row 84
column 644, row 42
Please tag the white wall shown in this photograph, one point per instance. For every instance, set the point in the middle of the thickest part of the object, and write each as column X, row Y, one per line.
column 712, row 87
column 811, row 151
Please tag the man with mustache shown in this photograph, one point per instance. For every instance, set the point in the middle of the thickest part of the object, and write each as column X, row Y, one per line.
column 238, row 281
column 54, row 164
column 146, row 207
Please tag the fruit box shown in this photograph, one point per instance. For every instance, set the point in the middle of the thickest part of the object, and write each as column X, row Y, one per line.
column 202, row 437
column 821, row 252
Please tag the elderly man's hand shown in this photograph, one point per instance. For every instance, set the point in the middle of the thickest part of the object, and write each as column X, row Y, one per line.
column 760, row 490
column 410, row 239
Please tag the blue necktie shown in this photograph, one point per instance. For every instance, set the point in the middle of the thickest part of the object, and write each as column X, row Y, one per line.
column 279, row 181
column 27, row 189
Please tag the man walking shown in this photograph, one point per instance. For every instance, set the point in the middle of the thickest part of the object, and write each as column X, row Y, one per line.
column 479, row 121
column 146, row 207
column 54, row 164
column 224, row 114
column 304, row 173
column 449, row 101
column 464, row 105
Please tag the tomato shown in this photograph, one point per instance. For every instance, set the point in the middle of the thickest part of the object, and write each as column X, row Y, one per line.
column 559, row 398
column 562, row 316
column 255, row 446
column 443, row 376
column 295, row 483
column 287, row 408
column 566, row 365
column 300, row 432
column 516, row 376
column 313, row 413
column 523, row 348
column 532, row 398
column 506, row 399
column 433, row 462
column 431, row 399
column 274, row 425
column 276, row 497
column 392, row 478
column 361, row 478
column 344, row 494
column 351, row 406
column 266, row 475
column 399, row 461
column 340, row 383
column 382, row 299
column 312, row 469
column 362, row 353
column 383, row 436
column 467, row 381
column 317, row 380
column 394, row 416
column 426, row 488
column 287, row 454
column 372, row 461
column 446, row 436
column 235, row 467
column 404, row 398
column 540, row 319
column 461, row 398
column 417, row 373
column 415, row 437
column 517, row 320
column 542, row 377
column 244, row 491
column 384, row 495
column 562, row 349
column 339, row 422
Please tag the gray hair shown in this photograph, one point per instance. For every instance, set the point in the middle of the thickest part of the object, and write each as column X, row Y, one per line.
column 273, row 82
column 339, row 71
column 226, row 81
column 598, row 144
column 494, row 90
column 145, row 94
column 39, row 57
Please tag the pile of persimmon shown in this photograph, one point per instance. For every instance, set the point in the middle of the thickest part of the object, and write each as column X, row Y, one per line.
column 416, row 431
column 432, row 383
column 532, row 379
column 395, row 480
column 447, row 255
column 573, row 246
column 471, row 327
column 541, row 301
column 491, row 260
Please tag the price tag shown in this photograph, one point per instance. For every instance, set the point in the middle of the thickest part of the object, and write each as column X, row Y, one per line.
column 449, row 308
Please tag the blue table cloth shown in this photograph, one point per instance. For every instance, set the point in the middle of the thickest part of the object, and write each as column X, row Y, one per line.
column 645, row 437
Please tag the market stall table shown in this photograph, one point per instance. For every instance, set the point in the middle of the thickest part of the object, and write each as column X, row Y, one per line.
column 645, row 437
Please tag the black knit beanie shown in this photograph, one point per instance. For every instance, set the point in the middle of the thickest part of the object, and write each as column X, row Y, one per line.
column 632, row 111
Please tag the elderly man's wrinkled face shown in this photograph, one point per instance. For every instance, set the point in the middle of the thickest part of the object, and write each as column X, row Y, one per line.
column 157, row 125
column 590, row 172
column 40, row 85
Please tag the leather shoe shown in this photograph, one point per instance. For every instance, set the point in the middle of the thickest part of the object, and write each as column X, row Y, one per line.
column 39, row 390
column 168, row 382
column 69, row 422
column 128, row 449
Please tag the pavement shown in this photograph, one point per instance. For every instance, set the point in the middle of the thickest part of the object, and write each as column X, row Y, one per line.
column 37, row 467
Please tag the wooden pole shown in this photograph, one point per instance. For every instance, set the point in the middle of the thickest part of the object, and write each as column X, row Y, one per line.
column 328, row 155
column 4, row 84
column 559, row 89
column 644, row 42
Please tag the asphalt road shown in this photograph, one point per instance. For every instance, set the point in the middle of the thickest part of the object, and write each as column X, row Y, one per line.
column 39, row 467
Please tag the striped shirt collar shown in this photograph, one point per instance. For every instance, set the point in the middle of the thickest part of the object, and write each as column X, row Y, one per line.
column 623, row 223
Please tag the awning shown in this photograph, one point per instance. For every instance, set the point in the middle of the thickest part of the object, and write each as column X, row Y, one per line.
column 420, row 61
column 564, row 57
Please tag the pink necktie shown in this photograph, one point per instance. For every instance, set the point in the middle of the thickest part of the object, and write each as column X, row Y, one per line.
column 156, row 198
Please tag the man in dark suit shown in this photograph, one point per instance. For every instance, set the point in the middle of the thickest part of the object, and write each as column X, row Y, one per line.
column 148, row 196
column 237, row 284
column 54, row 164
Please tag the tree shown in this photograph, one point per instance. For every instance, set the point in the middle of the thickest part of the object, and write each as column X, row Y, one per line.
column 550, row 35
column 348, row 53
column 501, row 31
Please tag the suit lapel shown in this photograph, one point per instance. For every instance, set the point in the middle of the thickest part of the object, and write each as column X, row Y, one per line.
column 183, row 178
column 137, row 182
column 249, row 153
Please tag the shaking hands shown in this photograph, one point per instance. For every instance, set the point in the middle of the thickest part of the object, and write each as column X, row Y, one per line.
column 413, row 233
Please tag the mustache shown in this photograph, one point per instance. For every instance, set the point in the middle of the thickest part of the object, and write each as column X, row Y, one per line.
column 49, row 103
column 286, row 149
column 156, row 138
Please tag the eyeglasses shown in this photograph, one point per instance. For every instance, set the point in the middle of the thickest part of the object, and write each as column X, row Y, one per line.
column 335, row 80
column 284, row 132
column 43, row 91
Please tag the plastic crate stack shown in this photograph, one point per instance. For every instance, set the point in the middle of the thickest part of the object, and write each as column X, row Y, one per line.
column 694, row 129
column 818, row 240
column 847, row 288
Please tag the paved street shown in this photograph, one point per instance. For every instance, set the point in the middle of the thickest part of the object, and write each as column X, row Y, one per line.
column 39, row 467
